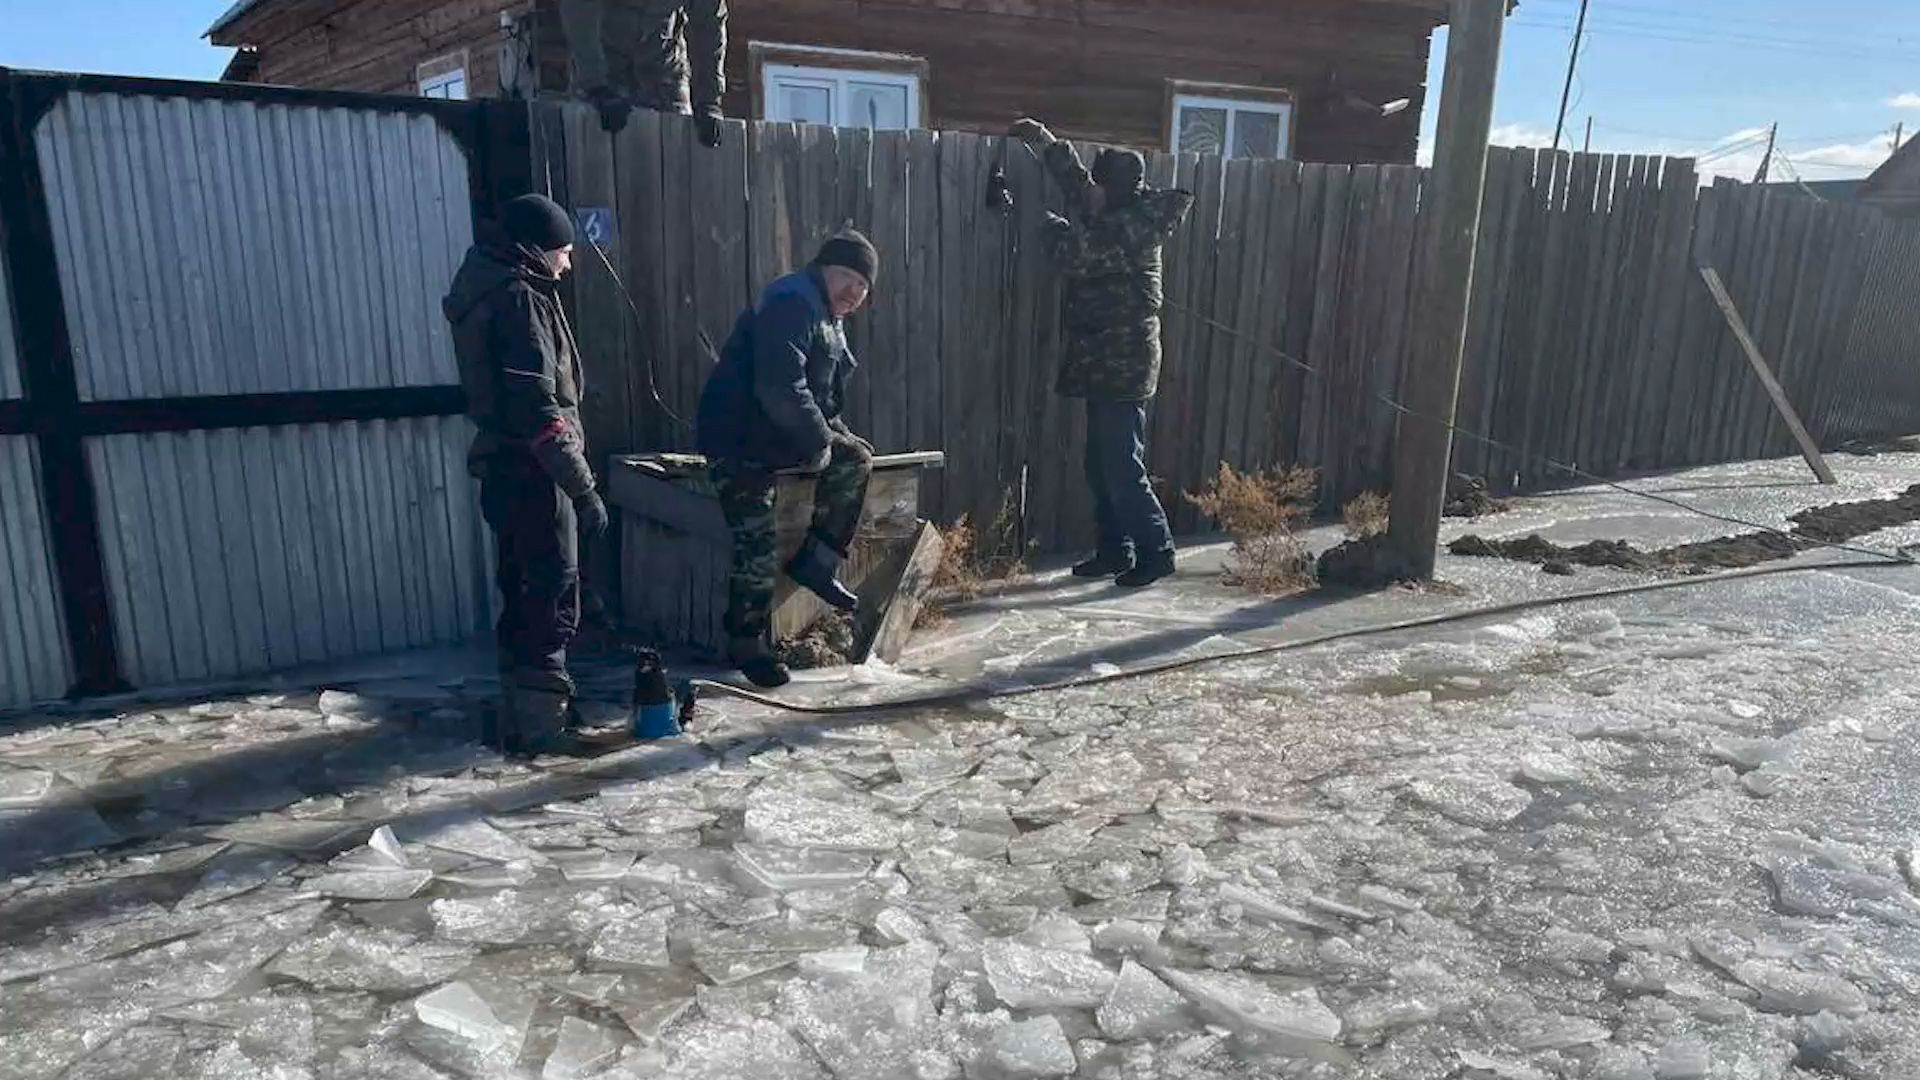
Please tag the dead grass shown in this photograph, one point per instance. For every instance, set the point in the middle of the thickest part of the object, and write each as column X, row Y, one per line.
column 1366, row 515
column 972, row 559
column 827, row 643
column 1263, row 512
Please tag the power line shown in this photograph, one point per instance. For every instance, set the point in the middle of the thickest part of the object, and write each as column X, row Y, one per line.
column 1838, row 50
column 1713, row 20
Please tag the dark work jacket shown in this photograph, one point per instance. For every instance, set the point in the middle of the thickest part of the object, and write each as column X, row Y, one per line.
column 775, row 398
column 519, row 365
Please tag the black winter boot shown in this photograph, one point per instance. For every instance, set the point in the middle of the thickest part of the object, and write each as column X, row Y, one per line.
column 815, row 567
column 1149, row 570
column 757, row 662
column 1105, row 564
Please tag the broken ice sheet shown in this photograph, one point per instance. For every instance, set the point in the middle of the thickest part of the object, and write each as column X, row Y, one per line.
column 594, row 866
column 1028, row 1050
column 786, row 869
column 1250, row 1004
column 471, row 836
column 1140, row 1006
column 23, row 787
column 1110, row 877
column 634, row 942
column 786, row 820
column 348, row 956
column 234, row 875
column 1050, row 844
column 648, row 1003
column 869, row 1025
column 1785, row 989
column 504, row 918
column 1029, row 978
column 1482, row 801
column 493, row 1016
column 581, row 1050
column 940, row 763
column 728, row 956
column 370, row 884
column 761, row 1049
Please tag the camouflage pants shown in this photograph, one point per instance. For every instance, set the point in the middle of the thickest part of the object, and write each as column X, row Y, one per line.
column 746, row 491
column 616, row 46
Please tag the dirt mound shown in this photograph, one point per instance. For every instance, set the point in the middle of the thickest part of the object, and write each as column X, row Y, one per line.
column 1467, row 498
column 1833, row 524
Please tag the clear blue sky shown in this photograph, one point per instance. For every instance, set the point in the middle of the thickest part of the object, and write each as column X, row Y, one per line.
column 1659, row 76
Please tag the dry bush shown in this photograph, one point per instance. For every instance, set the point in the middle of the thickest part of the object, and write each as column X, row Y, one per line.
column 1366, row 515
column 972, row 558
column 1262, row 512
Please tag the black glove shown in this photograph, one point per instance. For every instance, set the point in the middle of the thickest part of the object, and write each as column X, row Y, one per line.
column 707, row 126
column 592, row 511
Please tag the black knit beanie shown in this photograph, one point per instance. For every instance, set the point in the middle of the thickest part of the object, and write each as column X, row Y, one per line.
column 537, row 222
column 853, row 251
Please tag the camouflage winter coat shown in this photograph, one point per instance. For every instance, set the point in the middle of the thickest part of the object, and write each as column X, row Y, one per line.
column 647, row 51
column 1112, row 261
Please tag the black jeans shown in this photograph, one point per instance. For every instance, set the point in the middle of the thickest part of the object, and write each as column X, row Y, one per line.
column 537, row 534
column 1129, row 513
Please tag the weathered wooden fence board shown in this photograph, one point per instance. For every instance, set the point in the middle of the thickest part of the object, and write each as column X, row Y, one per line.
column 1591, row 342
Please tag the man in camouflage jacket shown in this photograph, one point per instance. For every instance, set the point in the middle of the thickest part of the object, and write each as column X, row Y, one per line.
column 1109, row 247
column 643, row 53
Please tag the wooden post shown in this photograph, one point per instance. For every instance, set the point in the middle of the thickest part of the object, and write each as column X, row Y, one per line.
column 1444, row 288
column 1808, row 448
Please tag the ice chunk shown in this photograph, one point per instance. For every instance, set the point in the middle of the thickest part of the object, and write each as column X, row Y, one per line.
column 1029, row 978
column 760, row 1049
column 591, row 989
column 582, row 1050
column 23, row 787
column 634, row 942
column 596, row 865
column 1257, row 903
column 348, row 956
column 1784, row 989
column 1140, row 1006
column 491, row 1015
column 731, row 956
column 1182, row 864
column 786, row 820
column 1247, row 1003
column 505, row 918
column 786, row 869
column 846, row 960
column 1055, row 931
column 1128, row 937
column 1030, row 1050
column 933, row 764
column 386, row 846
column 897, row 927
column 1498, row 1068
column 1085, row 779
column 1472, row 800
column 1684, row 1058
column 1547, row 767
column 1389, row 1011
column 1545, row 1031
column 1748, row 753
column 371, row 884
column 648, row 1004
column 235, row 875
column 471, row 836
column 1049, row 845
column 1618, row 1063
column 1121, row 874
column 869, row 1025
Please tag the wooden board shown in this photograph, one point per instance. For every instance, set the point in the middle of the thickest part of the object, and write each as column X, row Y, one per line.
column 901, row 590
column 1808, row 449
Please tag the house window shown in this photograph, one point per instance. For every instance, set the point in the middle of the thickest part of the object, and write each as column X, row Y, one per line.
column 1233, row 122
column 444, row 77
column 839, row 87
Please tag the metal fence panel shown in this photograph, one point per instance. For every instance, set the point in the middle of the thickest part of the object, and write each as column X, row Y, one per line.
column 214, row 247
column 34, row 665
column 242, row 551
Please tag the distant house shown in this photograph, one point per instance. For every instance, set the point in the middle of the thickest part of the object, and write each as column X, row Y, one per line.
column 1895, row 186
column 1317, row 80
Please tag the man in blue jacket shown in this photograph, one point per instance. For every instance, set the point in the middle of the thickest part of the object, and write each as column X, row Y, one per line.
column 773, row 405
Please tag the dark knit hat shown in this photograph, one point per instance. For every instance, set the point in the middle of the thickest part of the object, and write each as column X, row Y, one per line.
column 1120, row 170
column 537, row 222
column 853, row 251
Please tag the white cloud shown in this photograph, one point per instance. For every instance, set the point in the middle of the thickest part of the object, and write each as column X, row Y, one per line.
column 1522, row 135
column 1904, row 101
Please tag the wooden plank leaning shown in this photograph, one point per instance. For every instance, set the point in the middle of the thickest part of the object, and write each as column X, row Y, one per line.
column 1808, row 449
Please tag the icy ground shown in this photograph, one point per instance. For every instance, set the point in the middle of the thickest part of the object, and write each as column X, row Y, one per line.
column 1667, row 836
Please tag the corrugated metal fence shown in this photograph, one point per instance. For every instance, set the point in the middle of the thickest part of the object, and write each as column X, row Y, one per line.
column 246, row 374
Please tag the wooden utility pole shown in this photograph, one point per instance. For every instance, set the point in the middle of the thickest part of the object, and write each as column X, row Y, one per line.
column 1766, row 160
column 1443, row 288
column 1899, row 129
column 1587, row 146
column 1573, row 61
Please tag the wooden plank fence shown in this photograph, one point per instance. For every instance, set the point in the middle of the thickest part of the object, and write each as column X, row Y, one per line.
column 1591, row 343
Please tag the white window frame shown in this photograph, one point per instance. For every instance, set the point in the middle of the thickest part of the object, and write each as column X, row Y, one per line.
column 836, row 81
column 437, row 77
column 1234, row 107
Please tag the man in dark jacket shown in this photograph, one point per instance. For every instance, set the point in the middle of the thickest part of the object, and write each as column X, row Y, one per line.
column 521, row 372
column 643, row 53
column 1109, row 247
column 773, row 405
